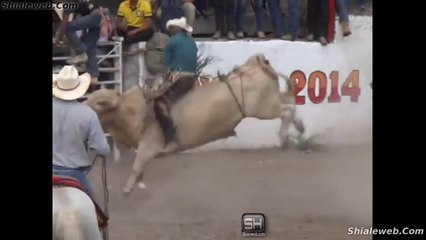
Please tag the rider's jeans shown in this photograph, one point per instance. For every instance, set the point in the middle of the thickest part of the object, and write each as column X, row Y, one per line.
column 79, row 174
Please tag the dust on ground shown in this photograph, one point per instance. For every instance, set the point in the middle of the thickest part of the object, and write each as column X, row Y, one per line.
column 202, row 195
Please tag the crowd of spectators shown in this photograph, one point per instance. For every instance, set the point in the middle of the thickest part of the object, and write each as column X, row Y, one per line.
column 230, row 17
column 138, row 20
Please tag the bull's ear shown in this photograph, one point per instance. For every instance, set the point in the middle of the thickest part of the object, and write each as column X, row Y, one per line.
column 107, row 103
column 258, row 59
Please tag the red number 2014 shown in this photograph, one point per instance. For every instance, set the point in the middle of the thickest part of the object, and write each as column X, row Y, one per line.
column 318, row 80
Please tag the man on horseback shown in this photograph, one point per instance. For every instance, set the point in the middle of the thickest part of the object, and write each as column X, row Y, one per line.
column 180, row 58
column 76, row 127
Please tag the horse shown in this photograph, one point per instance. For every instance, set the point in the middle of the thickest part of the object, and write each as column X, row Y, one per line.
column 74, row 215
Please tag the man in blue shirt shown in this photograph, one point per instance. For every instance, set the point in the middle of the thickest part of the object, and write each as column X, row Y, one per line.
column 180, row 59
column 76, row 127
column 181, row 50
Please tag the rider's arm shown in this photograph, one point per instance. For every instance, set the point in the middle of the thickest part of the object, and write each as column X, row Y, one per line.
column 168, row 53
column 97, row 141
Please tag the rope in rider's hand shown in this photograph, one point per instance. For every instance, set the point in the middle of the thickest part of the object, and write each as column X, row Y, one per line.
column 106, row 192
column 105, row 186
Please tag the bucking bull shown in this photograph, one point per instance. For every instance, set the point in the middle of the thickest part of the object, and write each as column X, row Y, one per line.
column 203, row 115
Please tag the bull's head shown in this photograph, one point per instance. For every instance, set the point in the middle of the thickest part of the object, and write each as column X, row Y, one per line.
column 103, row 100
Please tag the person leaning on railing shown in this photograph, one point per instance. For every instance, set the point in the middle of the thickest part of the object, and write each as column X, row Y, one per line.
column 138, row 26
column 224, row 19
column 342, row 11
column 318, row 20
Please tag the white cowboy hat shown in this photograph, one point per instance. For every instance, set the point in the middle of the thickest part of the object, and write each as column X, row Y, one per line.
column 68, row 85
column 179, row 22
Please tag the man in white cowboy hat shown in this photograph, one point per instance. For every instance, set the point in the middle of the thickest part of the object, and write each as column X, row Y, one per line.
column 180, row 58
column 181, row 50
column 76, row 127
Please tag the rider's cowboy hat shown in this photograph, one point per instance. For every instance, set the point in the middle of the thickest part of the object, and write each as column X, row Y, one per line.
column 68, row 85
column 180, row 23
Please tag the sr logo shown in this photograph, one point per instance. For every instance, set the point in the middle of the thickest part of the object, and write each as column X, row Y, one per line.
column 253, row 224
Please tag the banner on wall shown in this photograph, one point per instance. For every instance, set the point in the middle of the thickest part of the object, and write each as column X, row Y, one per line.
column 321, row 74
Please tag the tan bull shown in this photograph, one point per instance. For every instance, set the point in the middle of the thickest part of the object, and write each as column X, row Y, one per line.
column 204, row 115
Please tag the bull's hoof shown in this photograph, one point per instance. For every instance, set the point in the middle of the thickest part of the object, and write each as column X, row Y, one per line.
column 171, row 147
column 284, row 141
column 127, row 191
column 117, row 154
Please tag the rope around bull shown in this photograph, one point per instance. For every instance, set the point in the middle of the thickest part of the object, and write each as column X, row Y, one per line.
column 241, row 106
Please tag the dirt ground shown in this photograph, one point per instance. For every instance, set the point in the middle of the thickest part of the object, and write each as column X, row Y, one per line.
column 202, row 195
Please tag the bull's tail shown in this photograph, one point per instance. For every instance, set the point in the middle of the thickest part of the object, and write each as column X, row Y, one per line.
column 290, row 84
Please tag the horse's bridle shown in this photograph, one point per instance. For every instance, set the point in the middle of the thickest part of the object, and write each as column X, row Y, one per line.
column 241, row 106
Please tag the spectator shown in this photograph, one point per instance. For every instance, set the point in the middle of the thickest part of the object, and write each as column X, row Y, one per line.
column 276, row 17
column 174, row 9
column 293, row 20
column 224, row 18
column 85, row 48
column 360, row 6
column 138, row 25
column 166, row 10
column 342, row 11
column 317, row 20
column 240, row 15
column 201, row 8
column 57, row 15
column 259, row 10
column 189, row 10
